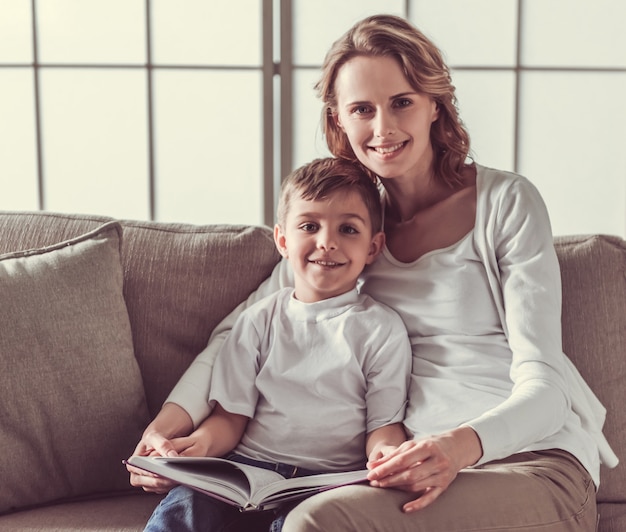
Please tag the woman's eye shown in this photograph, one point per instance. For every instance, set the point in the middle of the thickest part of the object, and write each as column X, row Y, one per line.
column 403, row 102
column 360, row 110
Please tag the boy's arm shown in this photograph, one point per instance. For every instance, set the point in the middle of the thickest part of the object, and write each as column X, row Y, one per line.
column 383, row 440
column 215, row 436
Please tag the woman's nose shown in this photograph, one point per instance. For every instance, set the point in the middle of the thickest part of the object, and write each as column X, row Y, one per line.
column 384, row 124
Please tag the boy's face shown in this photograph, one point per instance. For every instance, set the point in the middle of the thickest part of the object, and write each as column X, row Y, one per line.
column 328, row 243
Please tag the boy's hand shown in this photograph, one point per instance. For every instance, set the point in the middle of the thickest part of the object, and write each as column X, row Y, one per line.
column 378, row 453
column 152, row 444
column 155, row 444
column 192, row 445
column 383, row 442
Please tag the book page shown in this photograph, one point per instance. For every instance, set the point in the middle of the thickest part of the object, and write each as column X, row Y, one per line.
column 296, row 487
column 248, row 479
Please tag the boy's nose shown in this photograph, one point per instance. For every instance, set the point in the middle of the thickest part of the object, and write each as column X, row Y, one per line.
column 326, row 240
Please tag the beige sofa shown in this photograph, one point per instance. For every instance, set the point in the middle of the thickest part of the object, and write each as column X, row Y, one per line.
column 102, row 319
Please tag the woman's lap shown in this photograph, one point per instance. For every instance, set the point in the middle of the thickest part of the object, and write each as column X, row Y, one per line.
column 541, row 491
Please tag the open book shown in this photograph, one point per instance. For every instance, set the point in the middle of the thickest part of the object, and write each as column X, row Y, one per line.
column 245, row 486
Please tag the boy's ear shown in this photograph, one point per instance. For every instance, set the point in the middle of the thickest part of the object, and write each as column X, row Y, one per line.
column 280, row 241
column 376, row 246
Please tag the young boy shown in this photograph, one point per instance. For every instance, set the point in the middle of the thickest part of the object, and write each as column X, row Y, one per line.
column 313, row 378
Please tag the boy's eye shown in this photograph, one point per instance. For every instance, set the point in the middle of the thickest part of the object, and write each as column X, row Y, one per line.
column 349, row 230
column 308, row 227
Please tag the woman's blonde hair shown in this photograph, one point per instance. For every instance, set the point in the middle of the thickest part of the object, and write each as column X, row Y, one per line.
column 424, row 67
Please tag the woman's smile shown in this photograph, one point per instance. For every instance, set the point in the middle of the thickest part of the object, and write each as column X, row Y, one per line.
column 389, row 150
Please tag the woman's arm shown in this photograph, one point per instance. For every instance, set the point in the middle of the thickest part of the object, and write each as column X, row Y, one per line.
column 525, row 280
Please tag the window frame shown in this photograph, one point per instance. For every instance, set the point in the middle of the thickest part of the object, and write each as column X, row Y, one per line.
column 278, row 69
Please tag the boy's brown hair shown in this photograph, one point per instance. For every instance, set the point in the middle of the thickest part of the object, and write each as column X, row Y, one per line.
column 322, row 177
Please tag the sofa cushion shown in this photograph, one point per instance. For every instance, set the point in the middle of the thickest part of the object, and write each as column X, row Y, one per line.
column 593, row 271
column 122, row 513
column 72, row 397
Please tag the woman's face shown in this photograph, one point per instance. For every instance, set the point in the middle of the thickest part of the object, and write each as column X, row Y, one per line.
column 387, row 123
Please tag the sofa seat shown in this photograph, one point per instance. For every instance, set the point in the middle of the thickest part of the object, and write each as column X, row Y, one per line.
column 116, row 513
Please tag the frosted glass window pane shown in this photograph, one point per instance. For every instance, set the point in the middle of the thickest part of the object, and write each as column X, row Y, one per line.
column 207, row 33
column 574, row 33
column 480, row 32
column 316, row 25
column 208, row 146
column 16, row 40
column 95, row 31
column 487, row 107
column 308, row 140
column 18, row 156
column 572, row 147
column 94, row 139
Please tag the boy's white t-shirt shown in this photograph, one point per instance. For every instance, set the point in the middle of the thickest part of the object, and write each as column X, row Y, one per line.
column 314, row 378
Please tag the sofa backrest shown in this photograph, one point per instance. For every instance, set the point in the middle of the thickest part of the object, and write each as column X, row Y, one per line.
column 180, row 280
column 593, row 274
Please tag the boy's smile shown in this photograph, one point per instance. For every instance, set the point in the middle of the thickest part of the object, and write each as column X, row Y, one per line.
column 326, row 263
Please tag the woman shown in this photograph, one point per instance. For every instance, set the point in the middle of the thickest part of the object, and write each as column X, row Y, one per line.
column 504, row 434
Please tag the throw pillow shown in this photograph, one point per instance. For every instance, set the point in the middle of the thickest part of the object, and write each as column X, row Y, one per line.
column 73, row 403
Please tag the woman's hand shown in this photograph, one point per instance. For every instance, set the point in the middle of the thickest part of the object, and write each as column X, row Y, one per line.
column 427, row 466
column 152, row 444
column 171, row 421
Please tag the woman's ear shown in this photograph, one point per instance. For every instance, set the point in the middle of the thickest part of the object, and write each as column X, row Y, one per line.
column 334, row 116
column 435, row 114
column 376, row 246
column 280, row 241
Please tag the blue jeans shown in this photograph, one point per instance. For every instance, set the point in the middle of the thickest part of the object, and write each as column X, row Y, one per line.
column 187, row 510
